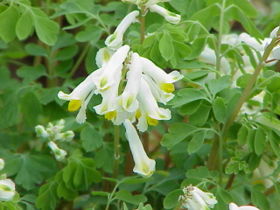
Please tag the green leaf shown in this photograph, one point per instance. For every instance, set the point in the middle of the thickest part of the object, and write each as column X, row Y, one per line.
column 242, row 135
column 176, row 133
column 260, row 140
column 80, row 172
column 46, row 29
column 24, row 25
column 8, row 20
column 129, row 198
column 166, row 47
column 36, row 50
column 67, row 53
column 91, row 34
column 171, row 199
column 187, row 95
column 225, row 195
column 217, row 85
column 91, row 138
column 146, row 207
column 259, row 199
column 47, row 198
column 219, row 109
column 196, row 142
column 31, row 73
column 200, row 117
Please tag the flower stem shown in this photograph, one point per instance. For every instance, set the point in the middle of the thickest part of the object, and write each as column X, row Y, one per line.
column 142, row 25
column 116, row 150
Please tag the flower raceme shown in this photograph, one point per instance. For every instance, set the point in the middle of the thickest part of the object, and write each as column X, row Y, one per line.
column 143, row 164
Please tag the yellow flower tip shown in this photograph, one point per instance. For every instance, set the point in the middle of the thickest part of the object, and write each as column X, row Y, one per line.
column 111, row 115
column 151, row 121
column 74, row 105
column 167, row 87
column 146, row 170
column 138, row 114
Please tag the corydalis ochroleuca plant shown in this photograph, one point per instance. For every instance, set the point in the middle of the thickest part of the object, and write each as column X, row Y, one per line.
column 131, row 87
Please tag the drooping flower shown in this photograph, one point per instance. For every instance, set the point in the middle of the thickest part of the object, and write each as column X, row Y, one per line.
column 107, row 76
column 143, row 164
column 58, row 153
column 233, row 206
column 80, row 96
column 7, row 190
column 128, row 97
column 115, row 40
column 149, row 112
column 168, row 16
column 194, row 199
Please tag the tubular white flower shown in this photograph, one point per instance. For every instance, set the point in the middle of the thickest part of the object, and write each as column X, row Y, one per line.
column 194, row 199
column 163, row 79
column 110, row 97
column 41, row 131
column 115, row 64
column 273, row 33
column 58, row 153
column 80, row 96
column 103, row 56
column 115, row 40
column 7, row 190
column 128, row 97
column 2, row 164
column 275, row 54
column 168, row 16
column 233, row 206
column 158, row 93
column 143, row 164
column 150, row 112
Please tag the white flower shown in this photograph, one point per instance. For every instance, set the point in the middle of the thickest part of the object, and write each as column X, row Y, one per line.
column 103, row 56
column 233, row 206
column 7, row 190
column 41, row 131
column 64, row 136
column 133, row 76
column 168, row 16
column 194, row 199
column 115, row 40
column 58, row 153
column 143, row 164
column 149, row 112
column 163, row 79
column 273, row 33
column 80, row 96
column 111, row 69
column 2, row 164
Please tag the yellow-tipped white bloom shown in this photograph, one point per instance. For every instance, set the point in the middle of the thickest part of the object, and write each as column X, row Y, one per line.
column 58, row 153
column 115, row 40
column 115, row 64
column 143, row 164
column 160, row 95
column 7, row 190
column 194, row 199
column 80, row 96
column 168, row 16
column 128, row 97
column 102, row 57
column 233, row 206
column 150, row 112
column 110, row 98
column 163, row 80
column 2, row 164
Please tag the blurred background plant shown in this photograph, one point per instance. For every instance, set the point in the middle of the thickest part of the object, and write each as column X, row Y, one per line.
column 51, row 45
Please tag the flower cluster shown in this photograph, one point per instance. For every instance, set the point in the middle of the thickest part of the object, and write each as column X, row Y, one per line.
column 131, row 87
column 196, row 199
column 54, row 133
column 258, row 47
column 7, row 186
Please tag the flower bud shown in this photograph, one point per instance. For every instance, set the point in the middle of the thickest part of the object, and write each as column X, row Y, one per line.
column 41, row 131
column 2, row 164
column 7, row 190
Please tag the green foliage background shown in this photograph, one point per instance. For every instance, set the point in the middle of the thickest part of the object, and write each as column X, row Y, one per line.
column 50, row 45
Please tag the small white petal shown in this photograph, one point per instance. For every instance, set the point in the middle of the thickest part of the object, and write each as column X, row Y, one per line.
column 103, row 56
column 273, row 33
column 7, row 190
column 168, row 16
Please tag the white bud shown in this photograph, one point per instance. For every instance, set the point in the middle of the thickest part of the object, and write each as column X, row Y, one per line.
column 7, row 190
column 58, row 153
column 41, row 131
column 2, row 164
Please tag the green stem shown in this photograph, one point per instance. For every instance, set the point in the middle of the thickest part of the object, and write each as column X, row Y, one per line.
column 142, row 25
column 220, row 36
column 79, row 61
column 116, row 150
column 110, row 197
